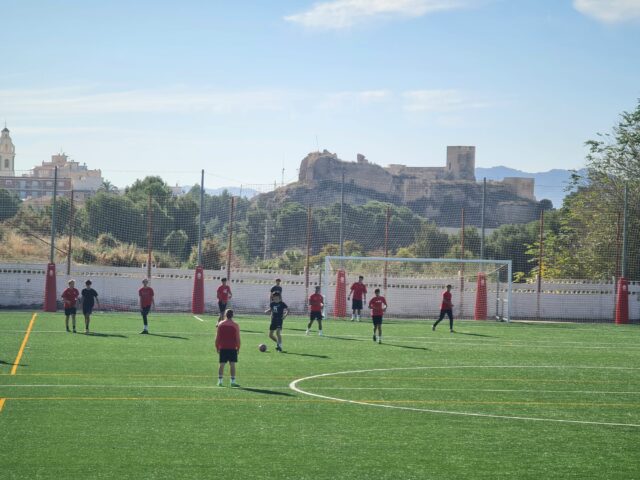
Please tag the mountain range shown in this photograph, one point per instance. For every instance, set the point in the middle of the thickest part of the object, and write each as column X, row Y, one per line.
column 551, row 185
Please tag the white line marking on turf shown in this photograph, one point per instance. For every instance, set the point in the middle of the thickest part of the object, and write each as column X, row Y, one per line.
column 214, row 387
column 294, row 386
column 198, row 318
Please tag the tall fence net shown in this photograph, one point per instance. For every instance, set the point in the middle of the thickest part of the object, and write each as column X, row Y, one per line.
column 568, row 259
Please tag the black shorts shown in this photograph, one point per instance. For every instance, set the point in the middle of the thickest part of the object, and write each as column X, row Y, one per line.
column 276, row 324
column 315, row 315
column 228, row 355
column 87, row 309
column 70, row 311
column 356, row 304
column 222, row 307
column 377, row 319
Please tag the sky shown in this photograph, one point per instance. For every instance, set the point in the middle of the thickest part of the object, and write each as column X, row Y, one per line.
column 245, row 90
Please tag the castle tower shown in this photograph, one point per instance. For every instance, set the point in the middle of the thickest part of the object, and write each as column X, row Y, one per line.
column 461, row 163
column 7, row 154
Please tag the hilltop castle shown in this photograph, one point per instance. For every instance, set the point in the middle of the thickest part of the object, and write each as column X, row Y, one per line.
column 440, row 194
column 406, row 183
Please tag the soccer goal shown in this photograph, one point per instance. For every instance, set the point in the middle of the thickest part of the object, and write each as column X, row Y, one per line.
column 413, row 286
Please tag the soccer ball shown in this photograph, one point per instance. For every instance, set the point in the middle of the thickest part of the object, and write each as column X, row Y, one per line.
column 262, row 347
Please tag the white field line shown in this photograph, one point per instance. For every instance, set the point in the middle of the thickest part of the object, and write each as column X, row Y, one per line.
column 198, row 318
column 214, row 387
column 294, row 386
column 456, row 341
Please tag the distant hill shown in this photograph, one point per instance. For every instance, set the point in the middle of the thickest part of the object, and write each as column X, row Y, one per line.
column 248, row 193
column 550, row 185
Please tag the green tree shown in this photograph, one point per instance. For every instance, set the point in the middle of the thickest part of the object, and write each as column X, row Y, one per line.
column 9, row 204
column 588, row 243
column 176, row 243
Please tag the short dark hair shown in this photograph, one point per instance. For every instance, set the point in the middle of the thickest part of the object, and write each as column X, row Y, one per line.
column 449, row 286
column 88, row 282
column 228, row 313
column 278, row 280
column 376, row 291
column 223, row 279
column 360, row 276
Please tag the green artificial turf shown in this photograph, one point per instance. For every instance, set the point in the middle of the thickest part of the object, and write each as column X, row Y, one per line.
column 493, row 400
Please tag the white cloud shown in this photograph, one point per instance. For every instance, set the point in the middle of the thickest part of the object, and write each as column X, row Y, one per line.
column 609, row 11
column 439, row 101
column 339, row 14
column 341, row 100
column 79, row 101
column 82, row 110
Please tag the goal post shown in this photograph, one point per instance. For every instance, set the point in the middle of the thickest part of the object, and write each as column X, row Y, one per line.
column 413, row 286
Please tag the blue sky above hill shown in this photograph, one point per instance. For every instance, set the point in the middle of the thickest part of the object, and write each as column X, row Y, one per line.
column 245, row 89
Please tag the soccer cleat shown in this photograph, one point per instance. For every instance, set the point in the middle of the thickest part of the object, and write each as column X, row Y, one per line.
column 451, row 331
column 74, row 330
column 433, row 328
column 380, row 340
column 374, row 338
column 220, row 383
column 144, row 332
column 307, row 332
column 234, row 385
column 278, row 348
column 320, row 334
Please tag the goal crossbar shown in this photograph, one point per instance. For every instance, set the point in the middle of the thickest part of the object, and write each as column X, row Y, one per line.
column 334, row 259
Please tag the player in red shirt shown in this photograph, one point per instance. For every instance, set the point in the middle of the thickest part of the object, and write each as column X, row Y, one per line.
column 146, row 302
column 316, row 303
column 228, row 346
column 70, row 297
column 359, row 292
column 224, row 294
column 378, row 305
column 446, row 308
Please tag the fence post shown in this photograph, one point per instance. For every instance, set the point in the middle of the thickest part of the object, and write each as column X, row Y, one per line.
column 50, row 295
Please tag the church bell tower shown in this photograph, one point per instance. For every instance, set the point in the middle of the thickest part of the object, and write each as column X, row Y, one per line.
column 7, row 154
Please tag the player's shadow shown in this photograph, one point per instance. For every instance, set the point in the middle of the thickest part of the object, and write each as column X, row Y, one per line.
column 473, row 334
column 265, row 391
column 348, row 339
column 306, row 354
column 406, row 346
column 2, row 362
column 98, row 334
column 176, row 337
column 242, row 330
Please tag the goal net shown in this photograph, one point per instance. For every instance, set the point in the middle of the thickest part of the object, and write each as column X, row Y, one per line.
column 413, row 287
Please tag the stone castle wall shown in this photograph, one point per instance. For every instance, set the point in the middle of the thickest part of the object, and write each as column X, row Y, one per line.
column 407, row 183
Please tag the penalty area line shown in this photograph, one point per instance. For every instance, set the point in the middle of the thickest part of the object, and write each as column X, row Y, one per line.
column 294, row 386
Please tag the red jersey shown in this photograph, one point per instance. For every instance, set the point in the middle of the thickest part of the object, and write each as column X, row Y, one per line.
column 315, row 302
column 228, row 335
column 377, row 306
column 358, row 290
column 146, row 296
column 446, row 301
column 70, row 296
column 223, row 293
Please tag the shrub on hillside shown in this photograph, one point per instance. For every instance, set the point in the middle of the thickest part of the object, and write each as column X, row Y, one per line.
column 106, row 240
